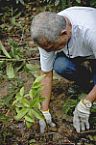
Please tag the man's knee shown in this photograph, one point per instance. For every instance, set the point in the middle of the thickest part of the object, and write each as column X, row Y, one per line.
column 59, row 66
column 64, row 67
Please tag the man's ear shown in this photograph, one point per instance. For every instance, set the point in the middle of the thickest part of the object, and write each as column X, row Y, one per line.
column 64, row 32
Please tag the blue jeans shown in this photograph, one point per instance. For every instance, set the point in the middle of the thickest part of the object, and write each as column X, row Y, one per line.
column 72, row 69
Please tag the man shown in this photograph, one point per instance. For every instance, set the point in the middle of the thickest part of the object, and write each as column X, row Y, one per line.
column 66, row 40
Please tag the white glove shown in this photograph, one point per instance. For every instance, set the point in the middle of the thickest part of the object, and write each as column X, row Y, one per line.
column 48, row 120
column 81, row 115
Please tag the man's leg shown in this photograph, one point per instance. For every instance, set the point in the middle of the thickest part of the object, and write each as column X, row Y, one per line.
column 93, row 66
column 65, row 67
column 71, row 69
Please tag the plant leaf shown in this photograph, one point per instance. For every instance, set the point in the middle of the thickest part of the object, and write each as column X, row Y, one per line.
column 38, row 80
column 28, row 124
column 21, row 1
column 10, row 71
column 4, row 50
column 78, row 1
column 29, row 119
column 22, row 92
column 25, row 102
column 4, row 118
column 36, row 102
column 37, row 114
column 21, row 114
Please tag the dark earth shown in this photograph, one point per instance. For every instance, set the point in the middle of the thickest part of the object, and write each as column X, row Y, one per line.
column 63, row 134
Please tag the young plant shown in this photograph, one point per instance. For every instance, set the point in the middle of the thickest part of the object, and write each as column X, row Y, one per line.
column 70, row 104
column 15, row 51
column 27, row 106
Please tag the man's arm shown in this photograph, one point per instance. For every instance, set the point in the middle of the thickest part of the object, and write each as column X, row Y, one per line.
column 46, row 93
column 47, row 88
column 82, row 111
column 92, row 95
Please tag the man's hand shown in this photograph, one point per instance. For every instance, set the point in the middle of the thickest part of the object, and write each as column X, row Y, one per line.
column 48, row 120
column 81, row 115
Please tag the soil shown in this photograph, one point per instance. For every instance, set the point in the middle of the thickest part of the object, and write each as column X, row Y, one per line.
column 62, row 134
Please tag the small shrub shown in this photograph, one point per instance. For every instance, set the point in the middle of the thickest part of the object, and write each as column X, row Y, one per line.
column 27, row 106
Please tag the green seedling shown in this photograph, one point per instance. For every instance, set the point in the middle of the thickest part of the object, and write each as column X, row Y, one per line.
column 27, row 106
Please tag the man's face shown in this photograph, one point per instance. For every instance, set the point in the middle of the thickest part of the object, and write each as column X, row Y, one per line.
column 56, row 43
column 59, row 44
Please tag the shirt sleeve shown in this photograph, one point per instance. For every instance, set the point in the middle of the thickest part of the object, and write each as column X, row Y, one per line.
column 92, row 42
column 46, row 60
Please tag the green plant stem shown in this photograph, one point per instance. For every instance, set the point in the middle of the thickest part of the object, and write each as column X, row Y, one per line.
column 27, row 59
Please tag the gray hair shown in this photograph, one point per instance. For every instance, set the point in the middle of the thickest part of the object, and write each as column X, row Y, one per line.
column 48, row 25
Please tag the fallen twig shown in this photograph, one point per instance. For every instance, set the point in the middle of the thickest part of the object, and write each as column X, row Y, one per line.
column 2, row 56
column 27, row 59
column 88, row 132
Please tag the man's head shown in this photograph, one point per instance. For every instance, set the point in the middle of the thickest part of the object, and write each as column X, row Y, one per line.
column 50, row 31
